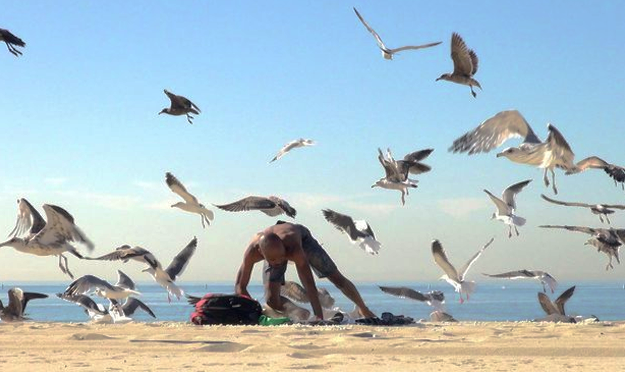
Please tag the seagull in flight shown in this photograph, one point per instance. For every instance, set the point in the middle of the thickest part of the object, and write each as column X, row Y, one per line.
column 46, row 238
column 271, row 206
column 191, row 204
column 395, row 178
column 295, row 292
column 506, row 206
column 124, row 287
column 114, row 314
column 18, row 299
column 11, row 41
column 180, row 106
column 598, row 209
column 452, row 276
column 388, row 53
column 435, row 299
column 126, row 253
column 358, row 231
column 465, row 64
column 553, row 153
column 544, row 277
column 607, row 241
column 555, row 310
column 301, row 142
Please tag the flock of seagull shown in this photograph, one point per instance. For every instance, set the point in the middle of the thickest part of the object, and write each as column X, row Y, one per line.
column 58, row 234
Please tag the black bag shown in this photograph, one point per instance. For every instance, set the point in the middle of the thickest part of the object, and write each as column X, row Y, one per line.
column 225, row 309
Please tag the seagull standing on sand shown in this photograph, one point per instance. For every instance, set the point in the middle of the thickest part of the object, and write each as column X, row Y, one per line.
column 544, row 277
column 555, row 310
column 271, row 206
column 598, row 209
column 292, row 145
column 11, row 41
column 395, row 178
column 607, row 241
column 358, row 231
column 191, row 203
column 180, row 106
column 465, row 64
column 49, row 238
column 388, row 53
column 452, row 276
column 18, row 299
column 555, row 152
column 506, row 206
column 89, row 283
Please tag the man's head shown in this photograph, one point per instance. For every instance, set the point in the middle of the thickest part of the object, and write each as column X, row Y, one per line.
column 272, row 248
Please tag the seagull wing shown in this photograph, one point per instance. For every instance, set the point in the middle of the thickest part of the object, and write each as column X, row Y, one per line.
column 511, row 191
column 495, row 131
column 86, row 284
column 583, row 229
column 83, row 300
column 124, row 280
column 617, row 173
column 364, row 228
column 294, row 291
column 559, row 150
column 60, row 228
column 284, row 206
column 31, row 296
column 546, row 304
column 563, row 298
column 408, row 47
column 518, row 274
column 418, row 155
column 440, row 257
column 372, row 31
column 28, row 219
column 132, row 304
column 546, row 278
column 286, row 148
column 10, row 38
column 178, row 188
column 568, row 204
column 467, row 266
column 460, row 54
column 180, row 101
column 343, row 223
column 248, row 204
column 16, row 300
column 502, row 208
column 405, row 292
column 180, row 262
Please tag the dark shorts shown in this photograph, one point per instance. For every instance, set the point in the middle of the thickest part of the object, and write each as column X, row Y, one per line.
column 318, row 258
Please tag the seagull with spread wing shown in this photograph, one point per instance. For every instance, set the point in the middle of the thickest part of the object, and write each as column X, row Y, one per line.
column 465, row 64
column 388, row 53
column 90, row 283
column 598, row 209
column 435, row 299
column 18, row 299
column 396, row 175
column 553, row 153
column 607, row 241
column 180, row 106
column 11, row 41
column 506, row 206
column 46, row 238
column 358, row 231
column 452, row 276
column 167, row 278
column 126, row 253
column 544, row 277
column 116, row 313
column 271, row 206
column 301, row 142
column 555, row 310
column 191, row 204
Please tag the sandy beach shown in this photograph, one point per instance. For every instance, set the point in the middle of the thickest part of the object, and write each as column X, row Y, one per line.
column 490, row 346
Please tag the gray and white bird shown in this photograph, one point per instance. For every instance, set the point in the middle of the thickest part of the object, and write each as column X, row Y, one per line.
column 51, row 238
column 180, row 106
column 506, row 206
column 301, row 142
column 598, row 209
column 358, row 231
column 191, row 204
column 388, row 53
column 465, row 64
column 555, row 310
column 295, row 292
column 116, row 313
column 125, row 253
column 11, row 41
column 124, row 287
column 167, row 278
column 542, row 276
column 271, row 206
column 18, row 299
column 553, row 153
column 456, row 278
column 435, row 299
column 607, row 241
column 411, row 163
column 394, row 178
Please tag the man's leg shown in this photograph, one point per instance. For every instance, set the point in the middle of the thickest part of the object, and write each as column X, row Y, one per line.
column 349, row 290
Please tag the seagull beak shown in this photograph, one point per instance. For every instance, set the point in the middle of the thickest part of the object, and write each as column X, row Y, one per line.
column 4, row 244
column 500, row 154
column 437, row 79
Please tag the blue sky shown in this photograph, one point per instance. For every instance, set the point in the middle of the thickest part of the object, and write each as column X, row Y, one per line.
column 81, row 130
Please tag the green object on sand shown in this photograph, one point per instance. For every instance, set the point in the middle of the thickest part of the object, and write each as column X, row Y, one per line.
column 267, row 321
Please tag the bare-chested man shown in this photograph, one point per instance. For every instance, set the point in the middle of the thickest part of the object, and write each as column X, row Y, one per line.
column 284, row 242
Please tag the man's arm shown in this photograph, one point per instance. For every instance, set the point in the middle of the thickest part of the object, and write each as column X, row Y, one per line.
column 306, row 277
column 250, row 257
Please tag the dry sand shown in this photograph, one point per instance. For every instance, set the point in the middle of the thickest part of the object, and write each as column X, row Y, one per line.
column 490, row 346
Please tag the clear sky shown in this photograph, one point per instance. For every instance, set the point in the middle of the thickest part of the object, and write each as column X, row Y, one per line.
column 80, row 127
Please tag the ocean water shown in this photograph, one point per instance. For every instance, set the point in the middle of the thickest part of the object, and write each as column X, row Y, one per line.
column 492, row 300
